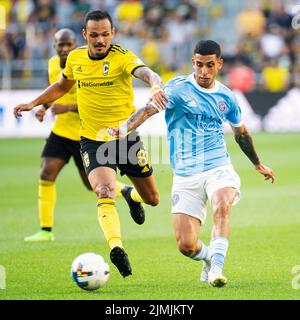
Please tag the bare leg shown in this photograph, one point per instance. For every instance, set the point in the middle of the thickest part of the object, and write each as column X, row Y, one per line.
column 187, row 230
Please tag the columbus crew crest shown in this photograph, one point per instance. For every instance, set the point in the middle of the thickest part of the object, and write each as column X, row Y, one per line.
column 105, row 67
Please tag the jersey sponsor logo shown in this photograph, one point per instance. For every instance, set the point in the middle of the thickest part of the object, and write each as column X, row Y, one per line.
column 90, row 84
column 222, row 106
column 203, row 120
column 105, row 67
column 78, row 69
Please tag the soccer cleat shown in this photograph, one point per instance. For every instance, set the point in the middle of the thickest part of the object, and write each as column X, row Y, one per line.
column 216, row 279
column 205, row 271
column 120, row 259
column 136, row 209
column 40, row 236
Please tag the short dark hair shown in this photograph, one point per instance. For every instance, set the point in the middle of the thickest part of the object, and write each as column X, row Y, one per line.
column 208, row 47
column 97, row 15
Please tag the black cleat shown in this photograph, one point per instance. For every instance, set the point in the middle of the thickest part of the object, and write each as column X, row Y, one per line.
column 120, row 259
column 136, row 209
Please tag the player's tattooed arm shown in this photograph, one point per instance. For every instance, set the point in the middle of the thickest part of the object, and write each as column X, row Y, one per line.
column 134, row 121
column 147, row 75
column 244, row 140
column 157, row 95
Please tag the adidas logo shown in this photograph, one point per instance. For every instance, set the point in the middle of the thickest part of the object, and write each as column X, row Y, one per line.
column 78, row 69
column 192, row 103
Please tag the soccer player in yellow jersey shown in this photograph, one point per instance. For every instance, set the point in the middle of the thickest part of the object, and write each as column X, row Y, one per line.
column 63, row 142
column 103, row 74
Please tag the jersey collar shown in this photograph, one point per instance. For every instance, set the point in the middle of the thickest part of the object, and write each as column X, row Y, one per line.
column 212, row 90
column 99, row 58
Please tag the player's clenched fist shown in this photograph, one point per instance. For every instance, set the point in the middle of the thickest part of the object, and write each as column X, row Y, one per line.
column 40, row 114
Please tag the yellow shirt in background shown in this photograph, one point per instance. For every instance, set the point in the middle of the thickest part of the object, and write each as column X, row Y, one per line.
column 104, row 89
column 67, row 124
column 129, row 11
column 275, row 78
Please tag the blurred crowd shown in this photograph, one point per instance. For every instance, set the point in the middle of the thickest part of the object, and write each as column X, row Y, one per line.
column 264, row 56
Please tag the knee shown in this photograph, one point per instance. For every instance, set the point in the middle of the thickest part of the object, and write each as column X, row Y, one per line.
column 222, row 208
column 152, row 199
column 105, row 191
column 186, row 248
column 47, row 175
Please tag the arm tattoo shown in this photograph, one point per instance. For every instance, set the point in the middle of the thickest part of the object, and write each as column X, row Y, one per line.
column 139, row 117
column 148, row 76
column 246, row 144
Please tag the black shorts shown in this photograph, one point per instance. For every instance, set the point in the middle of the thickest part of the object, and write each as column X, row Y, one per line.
column 62, row 148
column 128, row 155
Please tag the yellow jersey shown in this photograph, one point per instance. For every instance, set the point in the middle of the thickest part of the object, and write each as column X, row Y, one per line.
column 104, row 89
column 66, row 124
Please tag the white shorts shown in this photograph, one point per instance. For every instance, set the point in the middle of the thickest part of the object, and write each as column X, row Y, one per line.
column 190, row 193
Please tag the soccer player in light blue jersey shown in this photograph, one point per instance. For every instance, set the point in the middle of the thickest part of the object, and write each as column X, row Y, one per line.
column 197, row 108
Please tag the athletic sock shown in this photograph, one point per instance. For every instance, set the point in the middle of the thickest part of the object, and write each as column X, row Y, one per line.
column 135, row 196
column 47, row 200
column 119, row 187
column 109, row 222
column 203, row 253
column 218, row 247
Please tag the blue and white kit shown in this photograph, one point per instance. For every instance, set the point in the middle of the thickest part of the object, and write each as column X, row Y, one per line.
column 195, row 118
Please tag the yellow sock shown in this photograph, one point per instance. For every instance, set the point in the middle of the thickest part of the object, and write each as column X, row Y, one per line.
column 47, row 200
column 109, row 222
column 119, row 187
column 135, row 196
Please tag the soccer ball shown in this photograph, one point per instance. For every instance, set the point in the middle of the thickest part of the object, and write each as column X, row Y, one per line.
column 90, row 271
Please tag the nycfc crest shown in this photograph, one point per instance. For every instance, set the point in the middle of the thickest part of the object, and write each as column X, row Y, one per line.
column 105, row 67
column 222, row 106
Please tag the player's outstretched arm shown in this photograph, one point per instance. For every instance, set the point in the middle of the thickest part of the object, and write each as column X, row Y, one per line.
column 158, row 96
column 52, row 93
column 244, row 140
column 134, row 121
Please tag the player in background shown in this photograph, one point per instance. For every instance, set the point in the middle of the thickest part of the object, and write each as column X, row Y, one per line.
column 63, row 143
column 103, row 75
column 198, row 106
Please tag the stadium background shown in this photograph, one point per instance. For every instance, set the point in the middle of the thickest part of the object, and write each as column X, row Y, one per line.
column 261, row 48
column 260, row 42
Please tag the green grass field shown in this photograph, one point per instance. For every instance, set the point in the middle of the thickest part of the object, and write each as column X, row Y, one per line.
column 264, row 244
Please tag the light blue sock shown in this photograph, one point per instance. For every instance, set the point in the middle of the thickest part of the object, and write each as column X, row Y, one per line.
column 202, row 254
column 218, row 247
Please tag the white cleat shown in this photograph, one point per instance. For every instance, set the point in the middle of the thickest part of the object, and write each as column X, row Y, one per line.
column 216, row 279
column 205, row 271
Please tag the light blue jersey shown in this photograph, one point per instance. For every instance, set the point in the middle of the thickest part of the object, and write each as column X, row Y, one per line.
column 194, row 118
